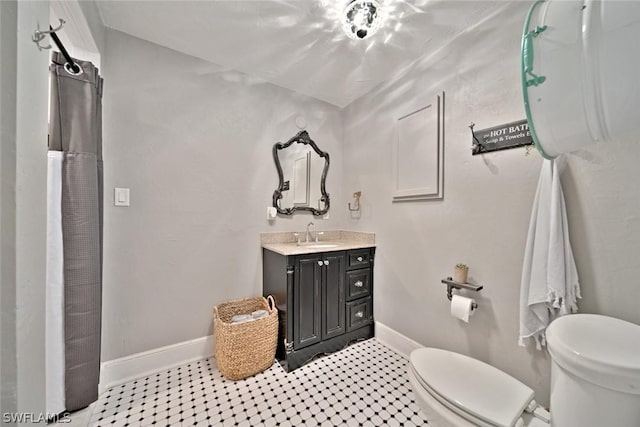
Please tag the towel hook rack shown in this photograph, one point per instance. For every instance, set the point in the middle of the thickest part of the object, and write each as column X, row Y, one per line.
column 477, row 147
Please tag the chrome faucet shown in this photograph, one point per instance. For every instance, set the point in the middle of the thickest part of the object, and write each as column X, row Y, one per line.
column 311, row 225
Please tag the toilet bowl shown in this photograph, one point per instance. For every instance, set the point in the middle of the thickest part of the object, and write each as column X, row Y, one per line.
column 595, row 381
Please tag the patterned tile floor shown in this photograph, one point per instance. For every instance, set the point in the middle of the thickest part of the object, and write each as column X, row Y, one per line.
column 365, row 384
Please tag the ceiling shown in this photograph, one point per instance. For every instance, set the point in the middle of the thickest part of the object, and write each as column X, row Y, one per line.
column 299, row 44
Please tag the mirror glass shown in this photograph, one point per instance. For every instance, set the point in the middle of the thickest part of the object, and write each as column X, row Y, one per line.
column 302, row 171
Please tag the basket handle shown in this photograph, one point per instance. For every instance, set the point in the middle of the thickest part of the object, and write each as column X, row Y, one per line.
column 272, row 303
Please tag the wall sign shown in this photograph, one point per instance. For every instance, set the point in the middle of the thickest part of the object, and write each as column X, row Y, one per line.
column 510, row 135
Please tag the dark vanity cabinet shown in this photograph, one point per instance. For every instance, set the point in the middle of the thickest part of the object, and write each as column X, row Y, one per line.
column 324, row 301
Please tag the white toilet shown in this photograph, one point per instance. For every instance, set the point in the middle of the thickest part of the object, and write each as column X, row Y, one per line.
column 595, row 381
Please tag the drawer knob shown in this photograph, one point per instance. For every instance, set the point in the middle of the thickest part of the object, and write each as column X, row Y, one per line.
column 320, row 263
column 360, row 314
column 326, row 262
column 358, row 284
column 359, row 259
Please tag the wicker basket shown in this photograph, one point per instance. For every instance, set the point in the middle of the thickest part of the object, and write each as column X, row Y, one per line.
column 245, row 349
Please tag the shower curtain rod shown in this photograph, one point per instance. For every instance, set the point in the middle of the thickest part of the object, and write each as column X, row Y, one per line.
column 74, row 67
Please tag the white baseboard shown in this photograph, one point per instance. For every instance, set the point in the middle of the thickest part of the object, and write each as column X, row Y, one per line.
column 395, row 340
column 139, row 365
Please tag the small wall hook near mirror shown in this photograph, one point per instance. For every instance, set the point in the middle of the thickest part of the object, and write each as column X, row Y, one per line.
column 356, row 204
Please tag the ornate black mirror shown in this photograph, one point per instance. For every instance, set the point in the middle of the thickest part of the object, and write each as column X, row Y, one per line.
column 302, row 170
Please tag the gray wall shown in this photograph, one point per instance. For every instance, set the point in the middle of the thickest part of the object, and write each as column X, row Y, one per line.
column 484, row 217
column 193, row 142
column 8, row 54
column 23, row 162
column 603, row 204
column 94, row 22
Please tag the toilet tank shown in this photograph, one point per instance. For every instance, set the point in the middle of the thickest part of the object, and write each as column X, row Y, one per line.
column 595, row 371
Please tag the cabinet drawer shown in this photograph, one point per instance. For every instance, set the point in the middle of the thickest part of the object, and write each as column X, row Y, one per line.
column 359, row 258
column 358, row 283
column 359, row 313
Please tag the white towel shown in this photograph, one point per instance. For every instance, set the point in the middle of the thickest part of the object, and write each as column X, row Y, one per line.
column 549, row 286
column 54, row 310
column 241, row 318
column 259, row 314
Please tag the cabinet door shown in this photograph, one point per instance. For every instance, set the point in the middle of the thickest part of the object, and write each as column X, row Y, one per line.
column 306, row 307
column 333, row 298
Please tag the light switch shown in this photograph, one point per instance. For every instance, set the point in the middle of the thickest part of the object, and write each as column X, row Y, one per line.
column 272, row 213
column 121, row 197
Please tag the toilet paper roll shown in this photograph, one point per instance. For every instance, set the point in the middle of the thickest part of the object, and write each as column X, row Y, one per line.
column 461, row 307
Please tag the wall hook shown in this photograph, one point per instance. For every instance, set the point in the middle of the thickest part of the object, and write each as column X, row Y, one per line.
column 39, row 35
column 477, row 146
column 356, row 204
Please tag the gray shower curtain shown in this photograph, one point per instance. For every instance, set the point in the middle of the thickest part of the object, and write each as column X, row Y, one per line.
column 76, row 131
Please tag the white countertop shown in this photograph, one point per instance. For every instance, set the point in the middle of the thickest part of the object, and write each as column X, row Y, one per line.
column 310, row 248
column 329, row 241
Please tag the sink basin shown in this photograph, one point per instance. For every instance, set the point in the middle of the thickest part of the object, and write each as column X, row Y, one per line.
column 318, row 245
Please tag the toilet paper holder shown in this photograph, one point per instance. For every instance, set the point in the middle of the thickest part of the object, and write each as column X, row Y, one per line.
column 451, row 285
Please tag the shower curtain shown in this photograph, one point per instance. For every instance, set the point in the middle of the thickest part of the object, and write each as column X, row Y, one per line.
column 74, row 233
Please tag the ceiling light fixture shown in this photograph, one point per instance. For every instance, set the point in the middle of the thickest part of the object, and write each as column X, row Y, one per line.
column 362, row 18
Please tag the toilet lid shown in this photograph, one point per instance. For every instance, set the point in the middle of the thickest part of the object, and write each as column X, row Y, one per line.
column 472, row 386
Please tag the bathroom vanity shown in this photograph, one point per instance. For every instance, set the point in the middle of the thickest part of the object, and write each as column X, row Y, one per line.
column 323, row 291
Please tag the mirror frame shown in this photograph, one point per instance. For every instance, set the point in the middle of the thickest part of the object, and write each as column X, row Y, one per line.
column 301, row 137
